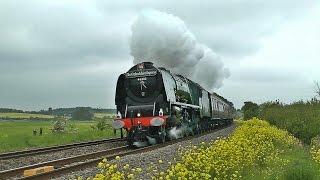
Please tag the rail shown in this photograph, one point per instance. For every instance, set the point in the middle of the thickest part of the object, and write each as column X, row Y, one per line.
column 23, row 153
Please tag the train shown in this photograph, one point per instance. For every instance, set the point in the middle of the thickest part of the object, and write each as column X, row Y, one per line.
column 155, row 105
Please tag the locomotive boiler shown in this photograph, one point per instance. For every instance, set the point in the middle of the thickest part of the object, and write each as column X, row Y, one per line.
column 155, row 105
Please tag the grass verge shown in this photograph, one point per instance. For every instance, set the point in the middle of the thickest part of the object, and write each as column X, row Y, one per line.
column 18, row 135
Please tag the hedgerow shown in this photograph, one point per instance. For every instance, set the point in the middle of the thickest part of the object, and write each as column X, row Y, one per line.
column 301, row 119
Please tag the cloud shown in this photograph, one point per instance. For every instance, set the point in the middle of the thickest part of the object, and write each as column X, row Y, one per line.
column 231, row 28
column 45, row 30
column 54, row 52
column 284, row 68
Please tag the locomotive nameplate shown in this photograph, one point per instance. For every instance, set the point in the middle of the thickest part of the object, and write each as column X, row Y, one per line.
column 136, row 74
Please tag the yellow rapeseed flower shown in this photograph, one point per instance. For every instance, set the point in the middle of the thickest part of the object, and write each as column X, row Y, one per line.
column 250, row 145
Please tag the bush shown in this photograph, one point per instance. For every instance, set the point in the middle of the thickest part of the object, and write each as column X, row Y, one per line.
column 302, row 119
column 59, row 125
column 82, row 113
column 101, row 124
column 250, row 110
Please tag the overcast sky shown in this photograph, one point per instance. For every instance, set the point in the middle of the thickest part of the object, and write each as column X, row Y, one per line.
column 70, row 53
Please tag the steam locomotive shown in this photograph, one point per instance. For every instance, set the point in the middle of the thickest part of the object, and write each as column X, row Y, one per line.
column 155, row 105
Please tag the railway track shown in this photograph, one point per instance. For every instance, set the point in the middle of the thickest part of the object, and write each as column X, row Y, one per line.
column 59, row 164
column 24, row 153
column 71, row 164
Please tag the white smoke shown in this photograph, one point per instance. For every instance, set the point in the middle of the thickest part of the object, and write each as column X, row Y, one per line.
column 165, row 40
column 175, row 133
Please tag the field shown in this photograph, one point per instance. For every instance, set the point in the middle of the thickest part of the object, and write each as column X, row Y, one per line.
column 101, row 115
column 18, row 135
column 24, row 116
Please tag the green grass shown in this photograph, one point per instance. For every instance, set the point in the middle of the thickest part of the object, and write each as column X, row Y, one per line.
column 300, row 167
column 24, row 116
column 17, row 135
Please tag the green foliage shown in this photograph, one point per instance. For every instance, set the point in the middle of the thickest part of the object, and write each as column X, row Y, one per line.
column 59, row 125
column 62, row 125
column 82, row 113
column 250, row 110
column 183, row 96
column 302, row 119
column 238, row 114
column 101, row 124
column 71, row 127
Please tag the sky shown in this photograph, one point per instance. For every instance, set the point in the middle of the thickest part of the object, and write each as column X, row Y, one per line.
column 70, row 53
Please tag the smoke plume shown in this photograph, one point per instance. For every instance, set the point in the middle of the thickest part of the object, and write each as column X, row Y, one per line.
column 165, row 40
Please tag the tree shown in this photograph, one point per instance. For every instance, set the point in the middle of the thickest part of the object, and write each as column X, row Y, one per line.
column 50, row 111
column 317, row 88
column 250, row 110
column 82, row 113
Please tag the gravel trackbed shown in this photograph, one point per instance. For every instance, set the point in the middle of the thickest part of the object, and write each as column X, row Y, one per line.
column 165, row 154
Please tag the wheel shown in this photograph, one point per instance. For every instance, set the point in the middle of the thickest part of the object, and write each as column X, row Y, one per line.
column 162, row 135
column 161, row 139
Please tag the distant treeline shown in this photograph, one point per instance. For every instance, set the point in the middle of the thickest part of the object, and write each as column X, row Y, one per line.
column 26, row 118
column 59, row 111
column 70, row 111
column 8, row 110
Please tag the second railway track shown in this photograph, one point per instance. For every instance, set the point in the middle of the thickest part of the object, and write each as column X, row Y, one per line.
column 36, row 151
column 70, row 164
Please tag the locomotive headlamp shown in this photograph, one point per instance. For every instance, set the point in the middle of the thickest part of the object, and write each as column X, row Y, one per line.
column 138, row 114
column 157, row 121
column 160, row 112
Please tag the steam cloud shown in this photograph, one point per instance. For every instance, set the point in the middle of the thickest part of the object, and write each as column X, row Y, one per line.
column 165, row 40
